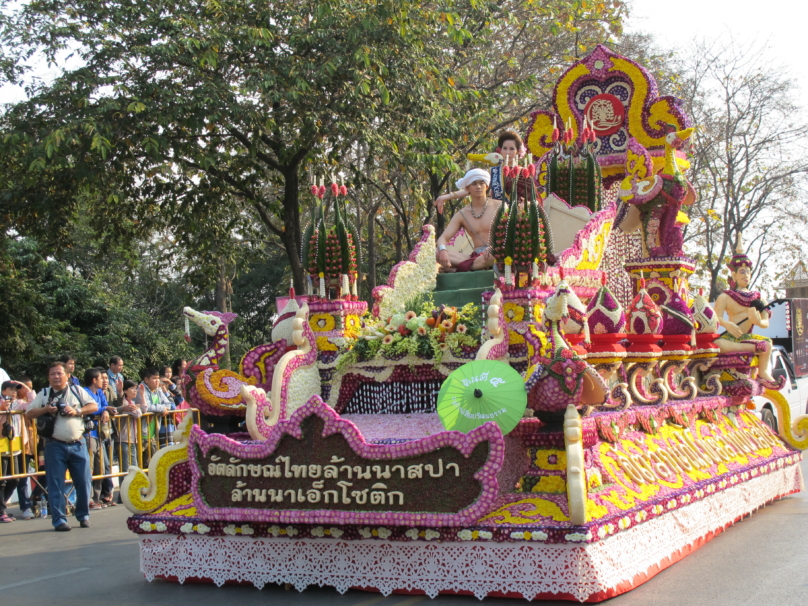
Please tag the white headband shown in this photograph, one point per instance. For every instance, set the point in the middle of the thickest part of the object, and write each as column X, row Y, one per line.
column 475, row 174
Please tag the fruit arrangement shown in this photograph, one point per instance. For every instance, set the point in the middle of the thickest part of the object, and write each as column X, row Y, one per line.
column 429, row 334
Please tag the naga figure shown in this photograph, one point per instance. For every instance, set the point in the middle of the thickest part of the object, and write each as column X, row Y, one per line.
column 745, row 309
column 214, row 324
column 217, row 391
column 657, row 197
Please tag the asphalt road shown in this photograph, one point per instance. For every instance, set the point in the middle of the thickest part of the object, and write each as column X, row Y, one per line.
column 760, row 561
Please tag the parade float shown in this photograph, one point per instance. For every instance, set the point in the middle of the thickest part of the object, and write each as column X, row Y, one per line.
column 637, row 443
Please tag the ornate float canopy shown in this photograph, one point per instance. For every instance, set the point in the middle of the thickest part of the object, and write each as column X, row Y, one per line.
column 619, row 99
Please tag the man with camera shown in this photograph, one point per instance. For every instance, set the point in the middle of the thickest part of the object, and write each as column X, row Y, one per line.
column 59, row 412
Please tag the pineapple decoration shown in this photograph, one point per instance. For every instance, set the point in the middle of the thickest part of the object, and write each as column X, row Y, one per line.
column 331, row 254
column 573, row 172
column 518, row 237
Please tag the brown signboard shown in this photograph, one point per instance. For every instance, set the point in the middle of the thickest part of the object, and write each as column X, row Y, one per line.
column 317, row 468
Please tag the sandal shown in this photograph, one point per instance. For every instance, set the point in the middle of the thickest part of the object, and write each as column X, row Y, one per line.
column 6, row 519
column 108, row 502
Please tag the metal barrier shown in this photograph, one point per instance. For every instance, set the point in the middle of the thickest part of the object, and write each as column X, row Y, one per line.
column 133, row 441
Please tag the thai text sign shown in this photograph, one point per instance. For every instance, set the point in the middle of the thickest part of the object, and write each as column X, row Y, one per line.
column 317, row 468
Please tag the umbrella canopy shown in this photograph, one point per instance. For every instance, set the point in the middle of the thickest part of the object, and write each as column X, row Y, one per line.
column 482, row 391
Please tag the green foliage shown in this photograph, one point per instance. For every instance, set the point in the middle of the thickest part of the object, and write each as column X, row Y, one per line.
column 264, row 275
column 49, row 311
column 199, row 118
column 181, row 135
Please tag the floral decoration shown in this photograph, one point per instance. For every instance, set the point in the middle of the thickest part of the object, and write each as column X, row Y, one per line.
column 567, row 367
column 426, row 334
column 408, row 279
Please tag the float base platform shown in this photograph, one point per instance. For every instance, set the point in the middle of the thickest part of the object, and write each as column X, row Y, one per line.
column 585, row 572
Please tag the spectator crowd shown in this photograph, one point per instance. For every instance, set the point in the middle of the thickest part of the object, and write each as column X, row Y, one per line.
column 84, row 427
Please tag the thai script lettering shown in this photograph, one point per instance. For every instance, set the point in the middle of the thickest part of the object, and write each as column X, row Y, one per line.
column 335, row 483
column 685, row 453
column 481, row 378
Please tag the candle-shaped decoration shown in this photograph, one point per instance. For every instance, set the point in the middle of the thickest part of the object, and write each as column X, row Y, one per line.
column 508, row 272
column 345, row 287
column 187, row 330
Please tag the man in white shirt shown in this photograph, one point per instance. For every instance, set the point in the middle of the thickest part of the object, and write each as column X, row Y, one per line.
column 66, row 449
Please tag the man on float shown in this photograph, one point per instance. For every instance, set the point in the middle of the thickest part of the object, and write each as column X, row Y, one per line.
column 475, row 219
column 509, row 147
column 745, row 309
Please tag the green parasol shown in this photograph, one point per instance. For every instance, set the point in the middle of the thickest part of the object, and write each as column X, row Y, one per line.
column 482, row 391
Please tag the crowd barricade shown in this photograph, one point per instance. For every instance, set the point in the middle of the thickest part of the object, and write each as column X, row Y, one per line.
column 132, row 441
column 151, row 431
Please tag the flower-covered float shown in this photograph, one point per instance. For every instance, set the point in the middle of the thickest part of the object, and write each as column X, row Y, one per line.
column 637, row 446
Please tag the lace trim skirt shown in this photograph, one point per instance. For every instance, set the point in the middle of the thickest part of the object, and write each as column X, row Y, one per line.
column 595, row 571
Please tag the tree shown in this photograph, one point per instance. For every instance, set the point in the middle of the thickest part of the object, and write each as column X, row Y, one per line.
column 87, row 305
column 178, row 103
column 177, row 100
column 749, row 162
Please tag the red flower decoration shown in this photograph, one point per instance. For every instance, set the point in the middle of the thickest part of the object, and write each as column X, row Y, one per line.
column 568, row 368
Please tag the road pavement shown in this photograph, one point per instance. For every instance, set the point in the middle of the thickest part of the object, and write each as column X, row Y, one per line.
column 761, row 561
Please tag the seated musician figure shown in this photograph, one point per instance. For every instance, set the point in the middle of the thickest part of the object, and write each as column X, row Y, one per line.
column 475, row 219
column 745, row 309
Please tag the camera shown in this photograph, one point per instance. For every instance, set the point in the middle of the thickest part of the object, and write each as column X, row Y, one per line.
column 7, row 398
column 60, row 405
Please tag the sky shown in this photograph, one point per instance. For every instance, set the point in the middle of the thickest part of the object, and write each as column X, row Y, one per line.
column 674, row 24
